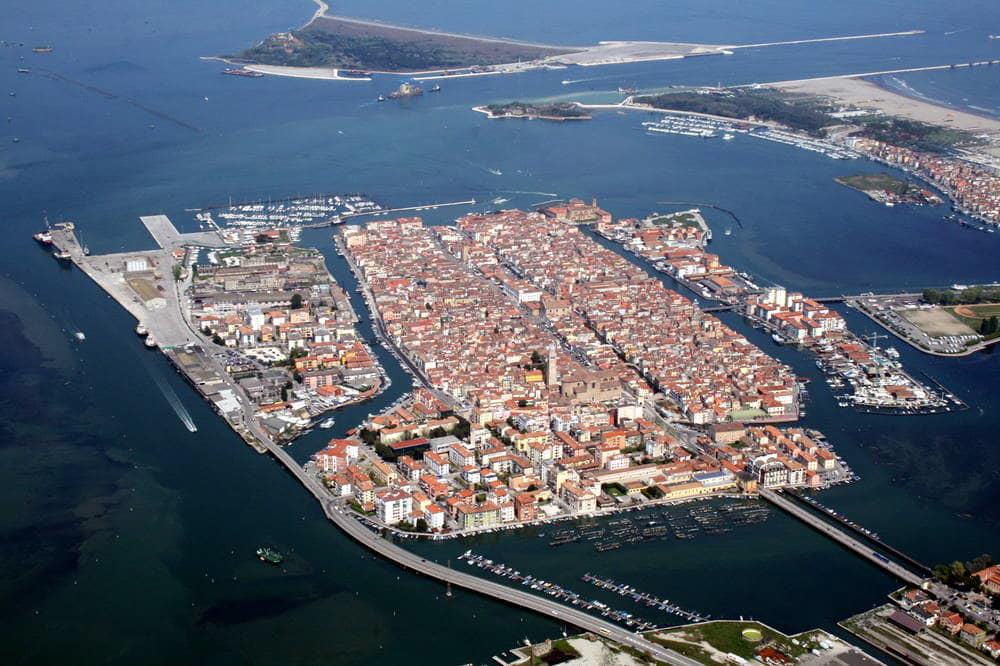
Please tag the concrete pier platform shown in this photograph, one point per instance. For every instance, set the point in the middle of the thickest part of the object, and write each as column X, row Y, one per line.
column 167, row 237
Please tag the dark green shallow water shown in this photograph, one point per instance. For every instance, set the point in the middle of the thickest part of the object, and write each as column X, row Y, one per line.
column 126, row 539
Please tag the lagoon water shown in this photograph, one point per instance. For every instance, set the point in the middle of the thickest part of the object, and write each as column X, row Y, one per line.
column 127, row 539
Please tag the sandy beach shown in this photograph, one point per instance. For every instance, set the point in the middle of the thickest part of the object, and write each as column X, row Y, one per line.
column 859, row 92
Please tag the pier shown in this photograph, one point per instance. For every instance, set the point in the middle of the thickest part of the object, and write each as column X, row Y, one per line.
column 847, row 541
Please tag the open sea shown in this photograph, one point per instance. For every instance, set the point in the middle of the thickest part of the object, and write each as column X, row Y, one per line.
column 126, row 539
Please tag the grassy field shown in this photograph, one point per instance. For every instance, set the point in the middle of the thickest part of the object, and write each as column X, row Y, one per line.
column 874, row 181
column 937, row 322
column 973, row 315
column 728, row 637
column 685, row 219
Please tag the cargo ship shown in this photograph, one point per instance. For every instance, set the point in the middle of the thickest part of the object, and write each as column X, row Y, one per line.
column 239, row 71
column 270, row 556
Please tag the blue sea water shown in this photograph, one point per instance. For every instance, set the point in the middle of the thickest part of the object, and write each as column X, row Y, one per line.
column 127, row 539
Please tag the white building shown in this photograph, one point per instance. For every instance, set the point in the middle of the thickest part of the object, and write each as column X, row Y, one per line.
column 393, row 506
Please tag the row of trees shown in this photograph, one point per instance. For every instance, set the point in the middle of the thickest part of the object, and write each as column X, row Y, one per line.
column 961, row 575
column 967, row 296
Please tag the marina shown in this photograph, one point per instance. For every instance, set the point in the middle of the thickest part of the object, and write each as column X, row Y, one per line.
column 644, row 598
column 706, row 127
column 556, row 591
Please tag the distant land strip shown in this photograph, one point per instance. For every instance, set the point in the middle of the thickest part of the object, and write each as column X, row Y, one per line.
column 330, row 46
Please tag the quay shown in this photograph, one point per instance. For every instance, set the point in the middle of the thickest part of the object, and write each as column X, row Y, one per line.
column 142, row 282
column 841, row 537
column 339, row 219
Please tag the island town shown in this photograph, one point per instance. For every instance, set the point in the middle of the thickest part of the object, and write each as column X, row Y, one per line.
column 540, row 395
column 543, row 394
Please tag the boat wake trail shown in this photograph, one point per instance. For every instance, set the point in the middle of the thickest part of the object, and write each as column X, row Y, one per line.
column 568, row 82
column 543, row 194
column 173, row 400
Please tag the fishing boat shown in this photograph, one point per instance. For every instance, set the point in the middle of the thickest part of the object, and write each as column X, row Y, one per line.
column 80, row 336
column 435, row 88
column 270, row 556
column 62, row 255
column 140, row 329
column 150, row 342
column 327, row 423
